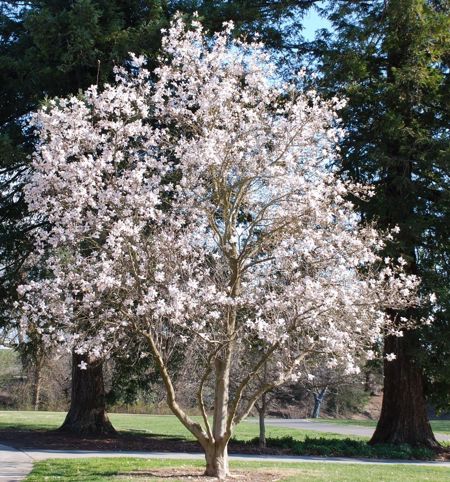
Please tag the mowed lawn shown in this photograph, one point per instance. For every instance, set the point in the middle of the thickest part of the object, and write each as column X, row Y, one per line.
column 132, row 469
column 157, row 425
column 441, row 426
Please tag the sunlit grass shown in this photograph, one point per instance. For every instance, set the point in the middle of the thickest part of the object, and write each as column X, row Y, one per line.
column 103, row 470
column 157, row 425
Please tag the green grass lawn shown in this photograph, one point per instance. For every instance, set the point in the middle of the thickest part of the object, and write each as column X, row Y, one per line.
column 161, row 425
column 441, row 426
column 296, row 441
column 102, row 470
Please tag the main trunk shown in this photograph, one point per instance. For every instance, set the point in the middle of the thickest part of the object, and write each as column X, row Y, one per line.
column 87, row 413
column 217, row 461
column 216, row 453
column 403, row 416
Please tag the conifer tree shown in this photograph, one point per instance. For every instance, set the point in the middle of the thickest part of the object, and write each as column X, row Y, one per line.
column 390, row 59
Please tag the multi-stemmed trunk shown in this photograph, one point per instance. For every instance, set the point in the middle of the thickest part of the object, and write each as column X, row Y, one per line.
column 214, row 440
column 318, row 400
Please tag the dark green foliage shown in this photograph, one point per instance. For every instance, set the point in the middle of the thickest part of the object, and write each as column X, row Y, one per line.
column 346, row 398
column 267, row 18
column 390, row 59
column 133, row 378
column 346, row 448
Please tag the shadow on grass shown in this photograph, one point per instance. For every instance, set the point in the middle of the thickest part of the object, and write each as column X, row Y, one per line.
column 145, row 433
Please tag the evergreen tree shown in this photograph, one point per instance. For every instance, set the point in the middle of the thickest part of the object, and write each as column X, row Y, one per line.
column 390, row 59
column 52, row 48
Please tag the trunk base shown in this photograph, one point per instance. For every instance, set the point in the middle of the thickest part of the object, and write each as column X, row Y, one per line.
column 93, row 422
column 217, row 463
column 404, row 418
column 87, row 414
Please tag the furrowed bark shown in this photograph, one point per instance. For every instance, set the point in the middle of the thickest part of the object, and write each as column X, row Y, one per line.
column 87, row 413
column 404, row 417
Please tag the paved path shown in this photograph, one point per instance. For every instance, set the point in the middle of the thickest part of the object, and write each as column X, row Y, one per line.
column 302, row 424
column 15, row 464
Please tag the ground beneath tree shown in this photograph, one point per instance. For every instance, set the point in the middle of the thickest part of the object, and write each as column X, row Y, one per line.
column 194, row 475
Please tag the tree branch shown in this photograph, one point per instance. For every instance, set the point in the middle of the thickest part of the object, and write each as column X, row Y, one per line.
column 190, row 424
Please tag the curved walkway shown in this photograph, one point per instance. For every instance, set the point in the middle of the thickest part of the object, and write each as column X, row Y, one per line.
column 16, row 464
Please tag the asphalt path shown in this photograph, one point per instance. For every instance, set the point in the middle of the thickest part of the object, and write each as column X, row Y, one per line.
column 14, row 464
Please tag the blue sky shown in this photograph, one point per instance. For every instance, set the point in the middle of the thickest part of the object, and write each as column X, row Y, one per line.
column 312, row 21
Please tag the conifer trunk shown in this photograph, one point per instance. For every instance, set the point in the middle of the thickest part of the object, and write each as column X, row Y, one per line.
column 87, row 413
column 403, row 416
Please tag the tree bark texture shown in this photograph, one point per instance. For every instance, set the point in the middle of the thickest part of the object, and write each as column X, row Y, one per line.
column 87, row 413
column 404, row 417
column 217, row 461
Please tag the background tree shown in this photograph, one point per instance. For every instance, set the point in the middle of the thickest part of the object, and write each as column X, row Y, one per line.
column 390, row 60
column 54, row 48
column 87, row 414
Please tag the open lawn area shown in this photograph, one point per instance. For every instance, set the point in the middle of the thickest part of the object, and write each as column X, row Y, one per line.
column 23, row 429
column 156, row 425
column 132, row 469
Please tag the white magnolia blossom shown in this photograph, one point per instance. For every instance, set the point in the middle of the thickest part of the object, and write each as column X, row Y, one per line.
column 200, row 207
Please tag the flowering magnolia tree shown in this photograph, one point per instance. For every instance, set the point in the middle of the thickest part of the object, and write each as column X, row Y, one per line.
column 198, row 209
